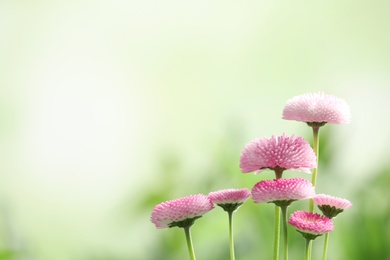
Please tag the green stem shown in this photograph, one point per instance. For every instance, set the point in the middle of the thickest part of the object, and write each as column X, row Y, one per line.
column 230, row 213
column 278, row 172
column 325, row 246
column 316, row 145
column 276, row 232
column 284, row 215
column 189, row 242
column 307, row 254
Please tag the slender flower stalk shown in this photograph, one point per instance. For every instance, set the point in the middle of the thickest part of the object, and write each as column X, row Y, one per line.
column 189, row 242
column 182, row 213
column 326, row 241
column 231, row 238
column 316, row 148
column 285, row 233
column 278, row 174
column 307, row 249
column 230, row 200
column 276, row 233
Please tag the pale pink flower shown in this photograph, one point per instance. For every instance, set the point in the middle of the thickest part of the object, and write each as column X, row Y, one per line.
column 317, row 108
column 229, row 196
column 168, row 213
column 331, row 206
column 285, row 152
column 310, row 224
column 282, row 190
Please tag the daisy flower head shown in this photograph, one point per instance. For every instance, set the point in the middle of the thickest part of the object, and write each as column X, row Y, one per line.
column 331, row 206
column 229, row 199
column 278, row 153
column 181, row 212
column 310, row 225
column 282, row 191
column 317, row 109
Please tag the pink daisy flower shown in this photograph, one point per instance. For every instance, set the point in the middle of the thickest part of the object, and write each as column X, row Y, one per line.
column 331, row 206
column 282, row 191
column 229, row 199
column 310, row 225
column 317, row 108
column 282, row 152
column 181, row 212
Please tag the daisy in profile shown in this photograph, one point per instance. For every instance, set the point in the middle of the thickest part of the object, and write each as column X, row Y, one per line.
column 310, row 225
column 316, row 110
column 282, row 192
column 330, row 206
column 182, row 213
column 230, row 200
column 277, row 154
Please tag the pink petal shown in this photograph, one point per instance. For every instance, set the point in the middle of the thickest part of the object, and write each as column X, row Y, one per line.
column 317, row 107
column 311, row 223
column 180, row 209
column 229, row 196
column 338, row 203
column 292, row 153
column 282, row 189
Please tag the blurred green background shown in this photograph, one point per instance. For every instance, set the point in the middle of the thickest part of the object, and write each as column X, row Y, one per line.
column 108, row 108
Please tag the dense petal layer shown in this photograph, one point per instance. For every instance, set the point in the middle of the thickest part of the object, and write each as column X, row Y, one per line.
column 282, row 190
column 180, row 209
column 311, row 223
column 286, row 152
column 317, row 108
column 229, row 196
column 338, row 203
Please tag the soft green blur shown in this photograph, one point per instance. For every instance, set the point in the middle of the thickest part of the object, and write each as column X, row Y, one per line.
column 108, row 108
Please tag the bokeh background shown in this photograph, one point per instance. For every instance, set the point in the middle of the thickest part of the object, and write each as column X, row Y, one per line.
column 108, row 108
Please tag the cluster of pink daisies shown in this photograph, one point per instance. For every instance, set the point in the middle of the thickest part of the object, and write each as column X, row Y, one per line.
column 278, row 153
